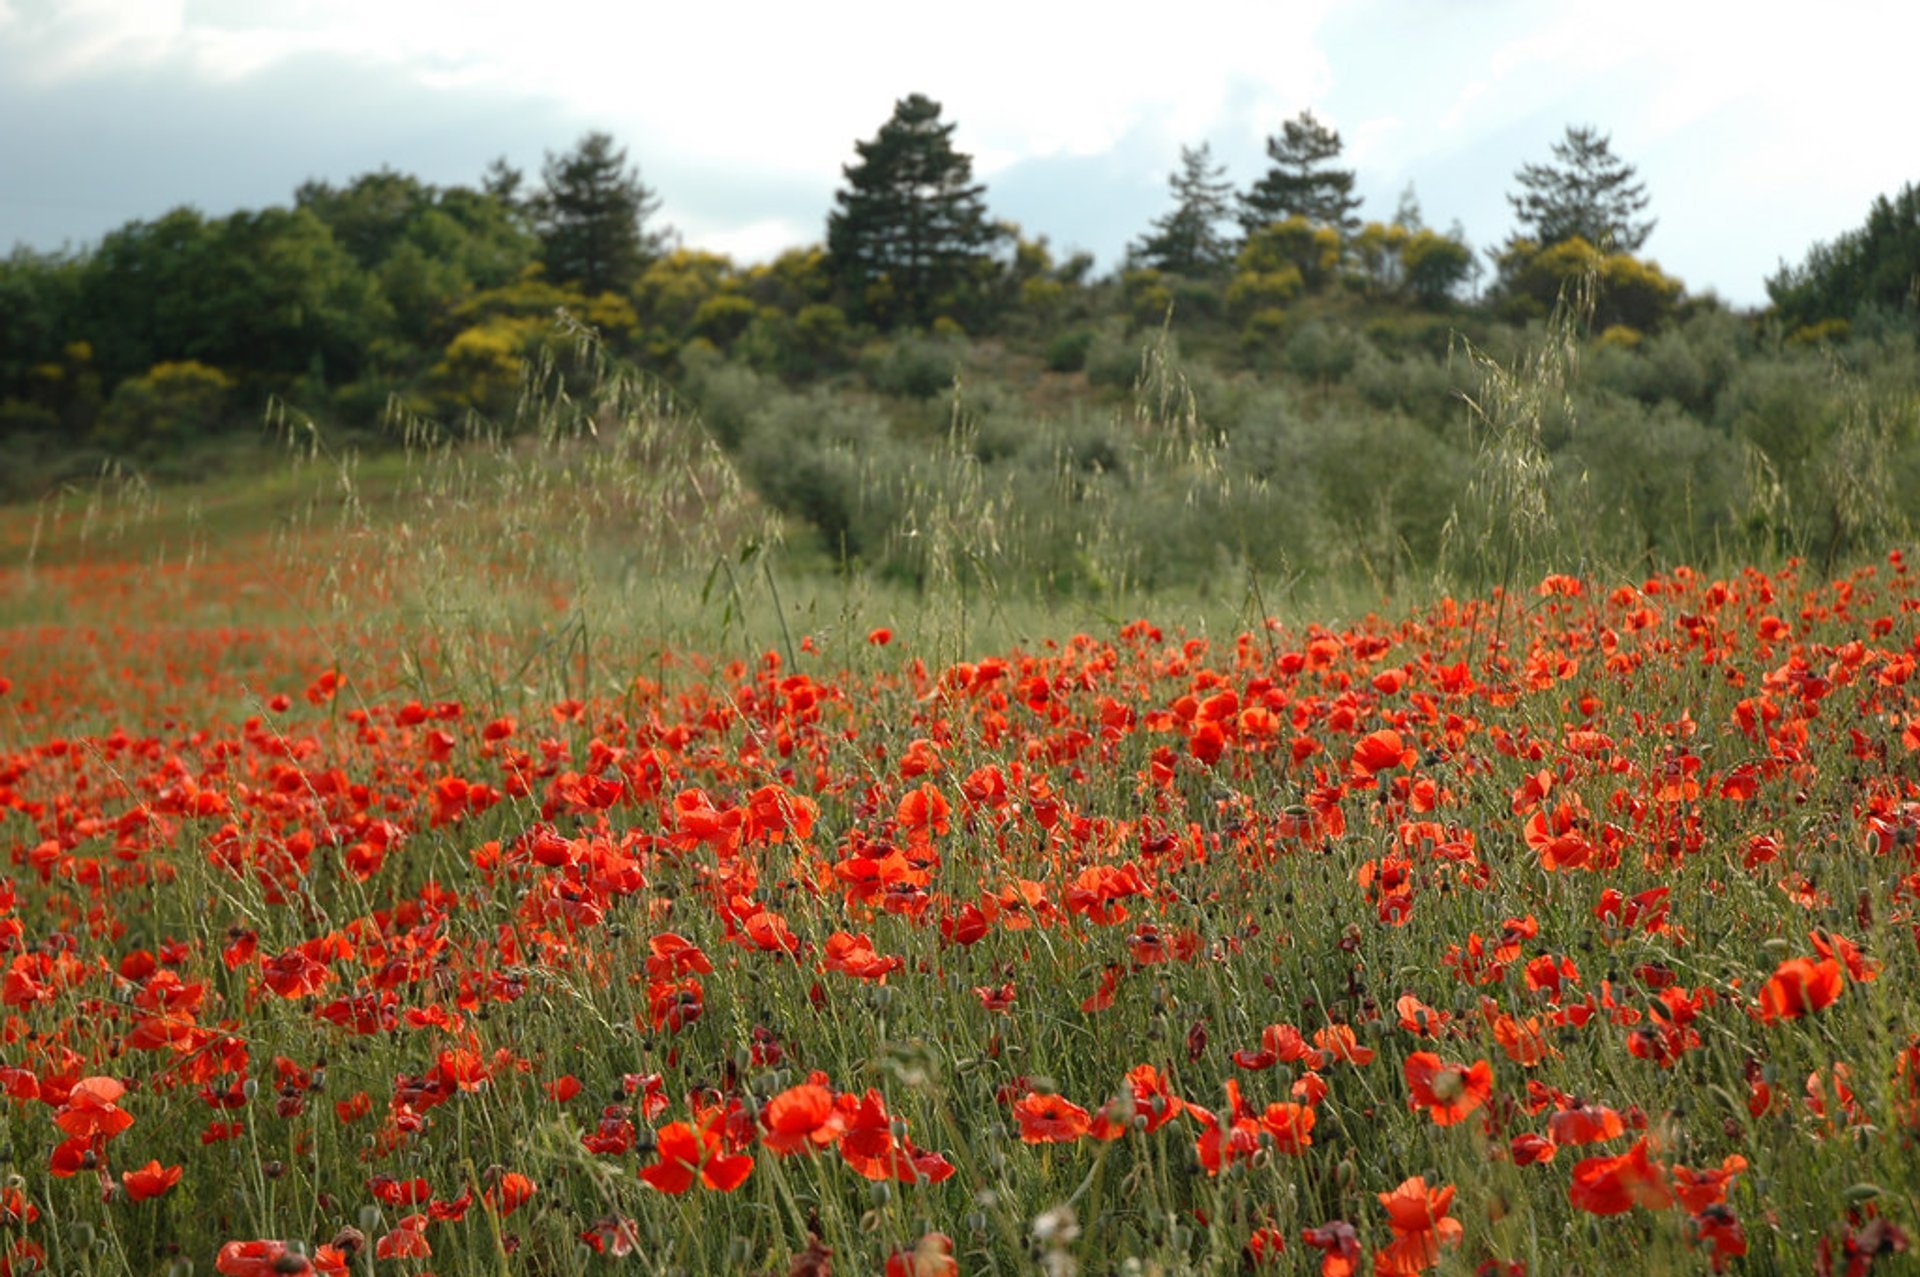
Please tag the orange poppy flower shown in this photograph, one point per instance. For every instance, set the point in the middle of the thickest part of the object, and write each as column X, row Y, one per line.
column 1290, row 1125
column 1050, row 1119
column 1338, row 1041
column 1615, row 1185
column 1800, row 986
column 1341, row 1245
column 408, row 1241
column 150, row 1180
column 1146, row 1096
column 1697, row 1190
column 512, row 1192
column 91, row 1110
column 1585, row 1124
column 931, row 1256
column 798, row 1117
column 1447, row 1091
column 260, row 1259
column 1421, row 1226
column 686, row 1155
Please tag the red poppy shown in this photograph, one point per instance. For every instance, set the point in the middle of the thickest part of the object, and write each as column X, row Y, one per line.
column 1338, row 1041
column 1716, row 1227
column 1697, row 1190
column 800, row 1117
column 1615, row 1185
column 512, row 1192
column 1449, row 1092
column 1050, row 1119
column 1585, row 1124
column 1379, row 751
column 1144, row 1097
column 151, row 1180
column 407, row 1241
column 1421, row 1226
column 1528, row 1148
column 91, row 1110
column 1341, row 1245
column 686, row 1155
column 1800, row 986
column 260, row 1259
column 931, row 1256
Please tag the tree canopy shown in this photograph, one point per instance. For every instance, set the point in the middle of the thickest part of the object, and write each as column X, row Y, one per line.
column 909, row 232
column 1187, row 239
column 592, row 216
column 1877, row 265
column 1302, row 181
column 1588, row 193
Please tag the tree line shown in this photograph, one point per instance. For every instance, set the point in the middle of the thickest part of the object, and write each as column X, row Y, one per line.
column 389, row 292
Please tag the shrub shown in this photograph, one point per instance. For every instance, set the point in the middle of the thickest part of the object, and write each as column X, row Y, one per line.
column 1321, row 351
column 1068, row 351
column 165, row 406
column 915, row 367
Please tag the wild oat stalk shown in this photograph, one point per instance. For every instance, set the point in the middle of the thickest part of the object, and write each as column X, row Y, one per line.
column 1508, row 515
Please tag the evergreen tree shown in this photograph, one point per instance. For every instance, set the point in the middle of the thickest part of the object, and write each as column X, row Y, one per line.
column 1187, row 241
column 592, row 217
column 1877, row 265
column 909, row 235
column 1301, row 182
column 1589, row 194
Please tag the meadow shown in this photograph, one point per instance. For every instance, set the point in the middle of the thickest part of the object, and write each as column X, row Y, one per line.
column 521, row 857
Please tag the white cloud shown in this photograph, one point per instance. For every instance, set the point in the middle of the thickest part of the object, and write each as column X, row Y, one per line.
column 1749, row 125
column 783, row 86
column 757, row 241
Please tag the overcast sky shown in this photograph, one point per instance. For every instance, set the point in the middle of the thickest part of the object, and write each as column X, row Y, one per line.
column 1757, row 127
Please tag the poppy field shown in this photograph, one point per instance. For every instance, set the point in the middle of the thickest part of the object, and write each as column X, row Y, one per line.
column 1568, row 929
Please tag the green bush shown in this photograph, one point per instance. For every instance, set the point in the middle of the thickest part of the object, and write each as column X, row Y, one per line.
column 1068, row 351
column 1321, row 351
column 914, row 367
column 166, row 406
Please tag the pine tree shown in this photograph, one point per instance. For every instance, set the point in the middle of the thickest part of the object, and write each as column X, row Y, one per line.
column 1187, row 241
column 1589, row 193
column 592, row 217
column 910, row 230
column 1876, row 265
column 1301, row 183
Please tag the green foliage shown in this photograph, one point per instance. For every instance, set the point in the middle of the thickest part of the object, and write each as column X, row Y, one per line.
column 592, row 216
column 909, row 231
column 165, row 406
column 1626, row 290
column 1319, row 351
column 1302, row 182
column 914, row 366
column 1187, row 240
column 1588, row 193
column 1434, row 266
column 1148, row 296
column 810, row 343
column 1311, row 252
column 1417, row 264
column 1877, row 265
column 721, row 319
column 38, row 293
column 269, row 293
column 796, row 279
column 1659, row 483
column 1376, row 251
column 1068, row 351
